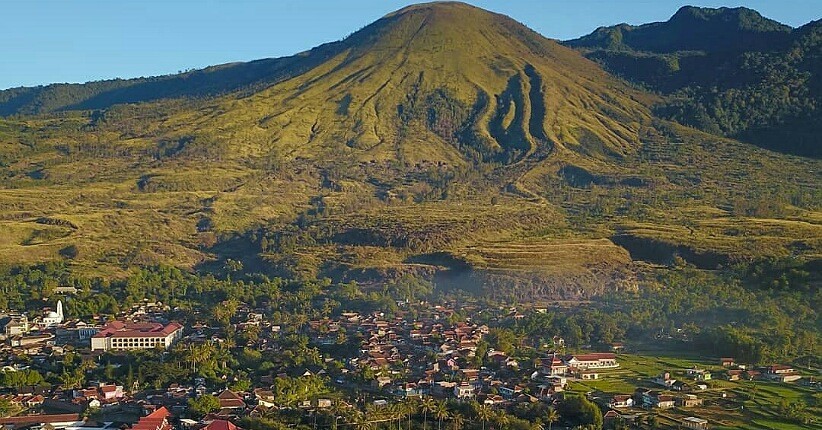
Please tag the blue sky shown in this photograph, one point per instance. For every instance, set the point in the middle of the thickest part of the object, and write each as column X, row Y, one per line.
column 45, row 41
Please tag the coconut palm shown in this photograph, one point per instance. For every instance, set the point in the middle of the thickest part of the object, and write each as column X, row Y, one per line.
column 441, row 413
column 395, row 412
column 502, row 419
column 361, row 421
column 428, row 405
column 457, row 421
column 484, row 413
column 338, row 410
column 551, row 416
column 198, row 353
column 653, row 421
column 410, row 407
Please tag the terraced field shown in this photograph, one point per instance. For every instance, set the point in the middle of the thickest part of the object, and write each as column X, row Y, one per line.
column 728, row 405
column 549, row 255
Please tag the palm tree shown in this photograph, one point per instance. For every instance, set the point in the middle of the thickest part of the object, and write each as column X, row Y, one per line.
column 441, row 412
column 199, row 354
column 457, row 421
column 502, row 419
column 484, row 413
column 361, row 421
column 551, row 416
column 395, row 412
column 338, row 410
column 410, row 408
column 427, row 406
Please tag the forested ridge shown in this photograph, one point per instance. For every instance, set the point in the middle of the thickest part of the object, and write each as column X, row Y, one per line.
column 726, row 71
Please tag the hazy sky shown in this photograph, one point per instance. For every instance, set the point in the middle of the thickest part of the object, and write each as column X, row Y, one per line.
column 45, row 41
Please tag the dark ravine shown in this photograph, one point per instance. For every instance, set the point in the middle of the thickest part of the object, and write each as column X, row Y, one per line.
column 661, row 252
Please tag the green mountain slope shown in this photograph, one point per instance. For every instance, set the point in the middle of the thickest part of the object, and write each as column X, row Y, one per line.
column 726, row 71
column 442, row 140
column 449, row 80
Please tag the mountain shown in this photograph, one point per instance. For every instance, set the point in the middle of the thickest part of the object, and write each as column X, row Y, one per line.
column 726, row 71
column 467, row 82
column 693, row 29
column 442, row 141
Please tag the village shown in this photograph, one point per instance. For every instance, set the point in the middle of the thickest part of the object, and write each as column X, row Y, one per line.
column 364, row 360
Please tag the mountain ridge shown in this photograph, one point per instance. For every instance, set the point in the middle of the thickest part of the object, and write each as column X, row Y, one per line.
column 726, row 71
column 441, row 140
column 691, row 29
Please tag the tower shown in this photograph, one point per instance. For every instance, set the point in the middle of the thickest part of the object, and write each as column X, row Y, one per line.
column 60, row 310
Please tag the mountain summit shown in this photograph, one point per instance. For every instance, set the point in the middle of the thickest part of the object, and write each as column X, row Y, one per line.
column 447, row 79
column 472, row 83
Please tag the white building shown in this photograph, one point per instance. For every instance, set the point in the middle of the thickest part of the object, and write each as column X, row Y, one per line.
column 464, row 391
column 599, row 360
column 695, row 423
column 120, row 335
column 53, row 319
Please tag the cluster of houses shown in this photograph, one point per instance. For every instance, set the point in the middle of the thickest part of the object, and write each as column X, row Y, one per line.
column 149, row 419
column 774, row 372
column 44, row 397
column 50, row 331
column 413, row 357
column 426, row 352
column 18, row 324
column 673, row 392
column 582, row 366
column 427, row 355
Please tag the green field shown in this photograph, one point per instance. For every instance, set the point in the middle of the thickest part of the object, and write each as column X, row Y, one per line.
column 745, row 404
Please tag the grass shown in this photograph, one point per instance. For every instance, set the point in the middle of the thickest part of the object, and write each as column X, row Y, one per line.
column 745, row 402
column 375, row 190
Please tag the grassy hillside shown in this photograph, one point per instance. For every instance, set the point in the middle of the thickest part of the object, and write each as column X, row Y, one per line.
column 442, row 140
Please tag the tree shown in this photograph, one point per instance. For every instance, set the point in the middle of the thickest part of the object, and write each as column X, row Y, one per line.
column 484, row 413
column 7, row 407
column 551, row 416
column 410, row 407
column 581, row 411
column 441, row 413
column 20, row 378
column 198, row 354
column 130, row 379
column 502, row 419
column 457, row 421
column 502, row 340
column 481, row 352
column 653, row 421
column 204, row 404
column 73, row 379
column 428, row 405
column 223, row 312
column 361, row 421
